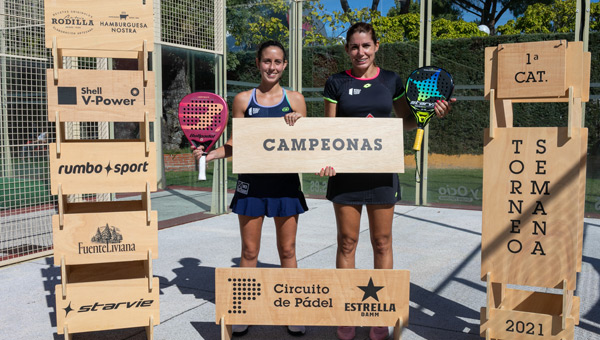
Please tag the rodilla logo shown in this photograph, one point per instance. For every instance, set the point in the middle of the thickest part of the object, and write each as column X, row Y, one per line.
column 73, row 22
column 89, row 168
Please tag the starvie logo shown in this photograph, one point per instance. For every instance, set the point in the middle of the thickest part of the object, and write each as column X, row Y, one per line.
column 97, row 307
column 89, row 168
column 369, row 308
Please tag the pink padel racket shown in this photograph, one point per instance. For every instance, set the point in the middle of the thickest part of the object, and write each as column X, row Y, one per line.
column 203, row 118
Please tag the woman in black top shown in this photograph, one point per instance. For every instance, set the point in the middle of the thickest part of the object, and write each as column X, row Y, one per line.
column 366, row 91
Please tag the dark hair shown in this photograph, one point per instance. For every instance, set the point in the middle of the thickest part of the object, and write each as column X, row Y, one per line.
column 361, row 27
column 270, row 43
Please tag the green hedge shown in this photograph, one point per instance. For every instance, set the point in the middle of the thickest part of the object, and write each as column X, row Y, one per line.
column 462, row 131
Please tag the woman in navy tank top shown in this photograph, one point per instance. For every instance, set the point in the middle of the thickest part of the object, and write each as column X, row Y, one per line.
column 271, row 195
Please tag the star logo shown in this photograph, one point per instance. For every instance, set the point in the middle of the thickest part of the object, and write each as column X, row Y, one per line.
column 370, row 290
column 68, row 309
column 108, row 168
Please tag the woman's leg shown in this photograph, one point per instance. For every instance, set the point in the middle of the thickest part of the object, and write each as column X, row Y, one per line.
column 348, row 227
column 286, row 228
column 250, row 230
column 380, row 227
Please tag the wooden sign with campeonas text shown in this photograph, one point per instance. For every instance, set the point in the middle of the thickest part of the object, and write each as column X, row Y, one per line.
column 532, row 228
column 318, row 297
column 110, row 26
column 100, row 96
column 109, row 304
column 359, row 145
column 102, row 167
column 105, row 237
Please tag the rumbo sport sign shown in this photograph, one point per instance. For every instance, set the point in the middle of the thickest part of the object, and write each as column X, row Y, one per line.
column 269, row 145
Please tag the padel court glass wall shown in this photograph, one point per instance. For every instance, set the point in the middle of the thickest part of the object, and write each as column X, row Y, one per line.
column 453, row 176
column 186, row 63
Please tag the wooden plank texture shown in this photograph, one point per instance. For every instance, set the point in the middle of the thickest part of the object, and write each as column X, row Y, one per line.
column 103, row 305
column 102, row 167
column 269, row 145
column 104, row 237
column 531, row 70
column 531, row 206
column 110, row 25
column 319, row 297
column 100, row 96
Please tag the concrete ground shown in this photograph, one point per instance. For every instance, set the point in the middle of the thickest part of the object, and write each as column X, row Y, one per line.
column 440, row 247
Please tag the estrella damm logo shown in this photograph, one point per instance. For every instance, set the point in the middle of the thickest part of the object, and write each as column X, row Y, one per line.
column 370, row 308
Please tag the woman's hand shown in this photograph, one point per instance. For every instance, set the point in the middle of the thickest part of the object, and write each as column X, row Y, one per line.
column 199, row 151
column 328, row 171
column 291, row 118
column 442, row 107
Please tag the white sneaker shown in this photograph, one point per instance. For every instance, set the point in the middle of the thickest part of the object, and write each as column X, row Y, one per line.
column 296, row 330
column 239, row 330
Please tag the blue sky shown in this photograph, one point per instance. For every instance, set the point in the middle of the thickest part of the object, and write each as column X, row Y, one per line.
column 385, row 5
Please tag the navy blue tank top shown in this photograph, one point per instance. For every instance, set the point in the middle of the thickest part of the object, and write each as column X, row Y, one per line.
column 267, row 185
column 254, row 109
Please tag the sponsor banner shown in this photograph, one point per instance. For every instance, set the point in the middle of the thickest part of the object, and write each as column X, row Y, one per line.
column 359, row 145
column 105, row 237
column 109, row 25
column 100, row 96
column 532, row 205
column 102, row 167
column 317, row 297
column 111, row 304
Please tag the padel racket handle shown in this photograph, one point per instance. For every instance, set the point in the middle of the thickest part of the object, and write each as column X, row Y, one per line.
column 418, row 139
column 202, row 168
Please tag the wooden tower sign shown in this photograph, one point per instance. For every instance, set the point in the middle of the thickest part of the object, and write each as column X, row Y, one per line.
column 531, row 207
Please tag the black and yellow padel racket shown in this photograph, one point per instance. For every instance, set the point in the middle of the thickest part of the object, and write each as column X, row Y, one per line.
column 424, row 87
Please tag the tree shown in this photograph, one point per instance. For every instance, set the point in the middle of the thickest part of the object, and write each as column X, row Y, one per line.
column 439, row 9
column 252, row 22
column 490, row 11
column 346, row 7
column 557, row 17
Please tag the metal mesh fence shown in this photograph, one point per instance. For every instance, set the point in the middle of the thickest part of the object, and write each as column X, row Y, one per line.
column 196, row 24
column 26, row 205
